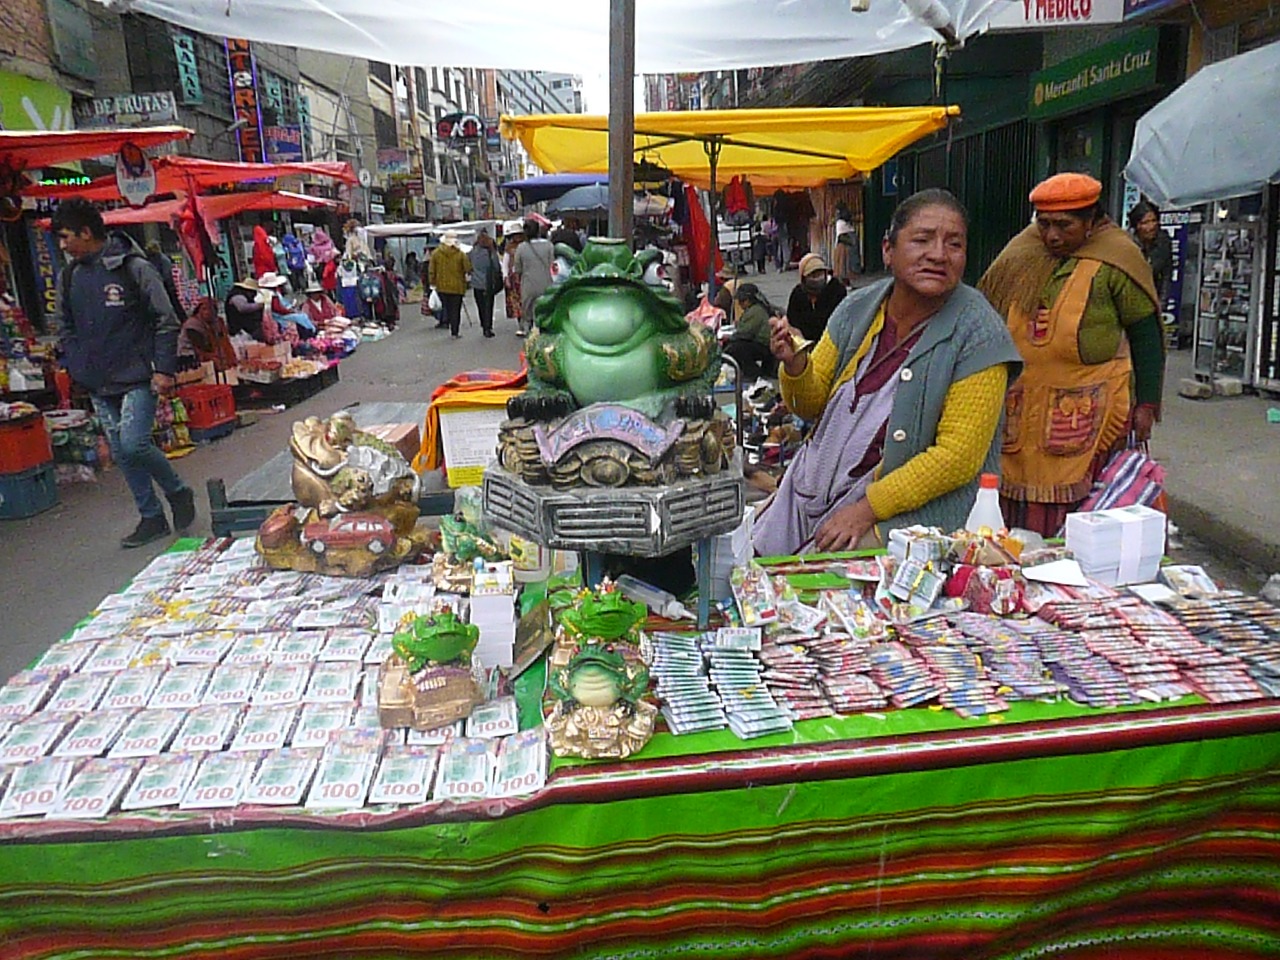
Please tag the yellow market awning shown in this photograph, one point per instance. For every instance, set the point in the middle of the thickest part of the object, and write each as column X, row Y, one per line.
column 802, row 147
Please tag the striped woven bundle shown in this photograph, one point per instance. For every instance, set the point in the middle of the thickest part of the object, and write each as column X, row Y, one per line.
column 1066, row 841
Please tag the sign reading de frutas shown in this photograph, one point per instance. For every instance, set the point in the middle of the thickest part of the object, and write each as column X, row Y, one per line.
column 1040, row 14
column 1111, row 72
column 127, row 110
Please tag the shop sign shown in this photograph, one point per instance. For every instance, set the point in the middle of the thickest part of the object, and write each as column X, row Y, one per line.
column 135, row 176
column 184, row 51
column 283, row 143
column 27, row 104
column 1140, row 8
column 492, row 136
column 1042, row 14
column 446, row 193
column 1111, row 72
column 393, row 161
column 46, row 260
column 304, row 120
column 459, row 126
column 1178, row 224
column 242, row 70
column 127, row 110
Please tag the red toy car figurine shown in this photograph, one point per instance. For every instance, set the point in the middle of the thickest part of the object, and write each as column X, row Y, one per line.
column 368, row 530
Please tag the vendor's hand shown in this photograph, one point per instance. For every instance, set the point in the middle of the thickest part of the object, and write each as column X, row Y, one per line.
column 162, row 384
column 1144, row 418
column 782, row 345
column 844, row 528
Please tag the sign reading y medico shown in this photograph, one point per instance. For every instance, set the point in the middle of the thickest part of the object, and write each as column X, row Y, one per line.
column 1112, row 71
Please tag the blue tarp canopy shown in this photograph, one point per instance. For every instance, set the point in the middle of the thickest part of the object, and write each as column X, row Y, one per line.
column 551, row 185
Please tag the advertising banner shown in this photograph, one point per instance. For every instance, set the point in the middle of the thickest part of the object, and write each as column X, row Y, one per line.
column 283, row 143
column 127, row 110
column 242, row 70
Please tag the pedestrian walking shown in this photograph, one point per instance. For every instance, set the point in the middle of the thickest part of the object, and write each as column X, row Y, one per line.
column 448, row 275
column 512, row 237
column 533, row 267
column 119, row 338
column 486, row 278
column 1080, row 301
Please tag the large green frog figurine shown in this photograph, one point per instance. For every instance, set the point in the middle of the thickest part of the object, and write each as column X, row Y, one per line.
column 604, row 335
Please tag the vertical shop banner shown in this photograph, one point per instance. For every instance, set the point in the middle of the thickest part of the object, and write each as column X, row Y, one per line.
column 184, row 52
column 1178, row 224
column 283, row 143
column 242, row 71
column 304, row 122
column 46, row 261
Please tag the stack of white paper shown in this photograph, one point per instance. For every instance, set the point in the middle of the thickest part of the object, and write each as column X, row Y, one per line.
column 493, row 610
column 1118, row 546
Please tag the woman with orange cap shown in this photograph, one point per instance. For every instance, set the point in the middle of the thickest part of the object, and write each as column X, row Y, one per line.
column 1082, row 307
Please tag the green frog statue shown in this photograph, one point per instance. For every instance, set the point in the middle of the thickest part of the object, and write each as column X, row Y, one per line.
column 597, row 679
column 619, row 381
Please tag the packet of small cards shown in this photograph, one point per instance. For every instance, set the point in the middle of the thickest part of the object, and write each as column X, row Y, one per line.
column 466, row 769
column 181, row 687
column 161, row 782
column 497, row 718
column 282, row 777
column 148, row 733
column 24, row 694
column 35, row 788
column 346, row 769
column 92, row 734
column 94, row 790
column 206, row 729
column 220, row 781
column 78, row 693
column 916, row 582
column 404, row 775
column 753, row 593
column 264, row 728
column 318, row 721
column 33, row 738
column 131, row 689
column 522, row 764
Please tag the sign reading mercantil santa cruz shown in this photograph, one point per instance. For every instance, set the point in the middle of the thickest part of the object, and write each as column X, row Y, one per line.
column 1111, row 72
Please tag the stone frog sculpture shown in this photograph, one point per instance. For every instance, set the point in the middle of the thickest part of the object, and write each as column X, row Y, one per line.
column 605, row 335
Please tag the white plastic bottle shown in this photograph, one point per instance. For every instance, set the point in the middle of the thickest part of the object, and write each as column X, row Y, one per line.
column 986, row 506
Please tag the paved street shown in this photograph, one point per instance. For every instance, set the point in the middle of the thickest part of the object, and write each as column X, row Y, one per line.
column 1223, row 483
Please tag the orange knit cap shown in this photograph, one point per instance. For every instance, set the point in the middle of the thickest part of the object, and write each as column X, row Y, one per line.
column 1066, row 191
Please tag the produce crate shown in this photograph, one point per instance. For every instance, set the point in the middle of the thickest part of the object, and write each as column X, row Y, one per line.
column 208, row 405
column 28, row 492
column 24, row 444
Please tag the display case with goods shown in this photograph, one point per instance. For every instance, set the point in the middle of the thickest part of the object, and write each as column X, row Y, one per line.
column 1268, row 351
column 1229, row 301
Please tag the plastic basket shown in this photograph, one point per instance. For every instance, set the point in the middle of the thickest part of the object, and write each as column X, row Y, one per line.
column 208, row 405
column 24, row 444
column 28, row 492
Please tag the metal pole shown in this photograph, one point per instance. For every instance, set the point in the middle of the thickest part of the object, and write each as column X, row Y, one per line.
column 713, row 157
column 622, row 117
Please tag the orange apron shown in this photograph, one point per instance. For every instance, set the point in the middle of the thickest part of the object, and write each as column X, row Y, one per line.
column 1061, row 413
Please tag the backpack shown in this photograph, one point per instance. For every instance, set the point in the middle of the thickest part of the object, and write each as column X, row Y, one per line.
column 294, row 256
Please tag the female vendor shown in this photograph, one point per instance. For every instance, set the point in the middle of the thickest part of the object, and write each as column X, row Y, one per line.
column 907, row 383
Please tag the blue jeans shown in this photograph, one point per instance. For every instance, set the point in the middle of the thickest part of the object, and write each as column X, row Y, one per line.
column 128, row 420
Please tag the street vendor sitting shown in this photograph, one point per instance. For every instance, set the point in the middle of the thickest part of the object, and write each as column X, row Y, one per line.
column 281, row 322
column 907, row 382
column 318, row 306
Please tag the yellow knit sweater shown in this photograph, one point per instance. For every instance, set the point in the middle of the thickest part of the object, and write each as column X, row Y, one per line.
column 969, row 419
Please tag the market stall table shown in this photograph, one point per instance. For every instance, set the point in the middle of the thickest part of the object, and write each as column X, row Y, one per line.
column 1062, row 831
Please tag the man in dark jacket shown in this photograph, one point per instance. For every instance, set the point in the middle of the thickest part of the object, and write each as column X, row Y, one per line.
column 119, row 340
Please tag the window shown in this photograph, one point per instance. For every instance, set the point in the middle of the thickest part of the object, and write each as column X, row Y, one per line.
column 420, row 88
column 428, row 158
column 381, row 71
column 384, row 126
column 435, row 79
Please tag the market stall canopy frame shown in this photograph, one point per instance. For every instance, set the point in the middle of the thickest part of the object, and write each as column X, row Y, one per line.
column 773, row 148
column 1208, row 140
column 176, row 174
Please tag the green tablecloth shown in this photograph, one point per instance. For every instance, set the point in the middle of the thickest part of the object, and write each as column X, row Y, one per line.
column 1062, row 832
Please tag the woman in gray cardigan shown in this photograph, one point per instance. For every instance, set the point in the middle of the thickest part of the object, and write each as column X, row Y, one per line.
column 908, row 386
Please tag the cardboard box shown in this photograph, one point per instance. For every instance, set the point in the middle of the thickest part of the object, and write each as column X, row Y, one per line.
column 405, row 437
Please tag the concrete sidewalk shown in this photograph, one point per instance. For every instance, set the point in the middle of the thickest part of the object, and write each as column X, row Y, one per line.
column 1221, row 455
